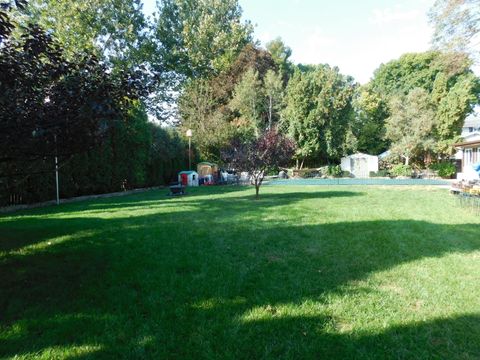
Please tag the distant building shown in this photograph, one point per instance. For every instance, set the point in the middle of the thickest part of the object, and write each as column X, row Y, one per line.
column 469, row 153
column 472, row 124
column 360, row 165
column 468, row 150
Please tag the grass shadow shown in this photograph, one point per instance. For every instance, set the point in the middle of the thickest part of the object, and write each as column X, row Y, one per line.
column 149, row 286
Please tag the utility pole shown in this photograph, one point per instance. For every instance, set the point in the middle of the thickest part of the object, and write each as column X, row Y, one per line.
column 56, row 171
column 189, row 135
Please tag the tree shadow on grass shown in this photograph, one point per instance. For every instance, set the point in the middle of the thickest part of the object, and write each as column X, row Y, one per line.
column 29, row 230
column 152, row 287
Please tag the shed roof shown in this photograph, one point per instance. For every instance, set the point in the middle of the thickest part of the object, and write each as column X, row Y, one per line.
column 188, row 172
column 206, row 163
column 360, row 155
column 384, row 154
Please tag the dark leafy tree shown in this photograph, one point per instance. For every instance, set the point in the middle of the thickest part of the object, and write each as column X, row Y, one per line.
column 53, row 105
column 50, row 106
column 271, row 149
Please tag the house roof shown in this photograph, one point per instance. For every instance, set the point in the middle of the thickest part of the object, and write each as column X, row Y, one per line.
column 360, row 155
column 469, row 140
column 384, row 154
column 468, row 143
column 473, row 120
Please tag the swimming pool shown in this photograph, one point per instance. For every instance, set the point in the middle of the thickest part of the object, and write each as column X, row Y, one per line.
column 345, row 181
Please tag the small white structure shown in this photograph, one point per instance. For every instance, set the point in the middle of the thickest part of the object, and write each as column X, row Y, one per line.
column 359, row 164
column 188, row 178
column 469, row 154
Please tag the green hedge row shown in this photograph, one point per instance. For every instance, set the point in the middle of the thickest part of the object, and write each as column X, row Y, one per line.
column 136, row 153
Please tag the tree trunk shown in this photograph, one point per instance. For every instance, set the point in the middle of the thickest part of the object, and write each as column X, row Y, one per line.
column 301, row 165
column 270, row 113
column 407, row 160
column 258, row 183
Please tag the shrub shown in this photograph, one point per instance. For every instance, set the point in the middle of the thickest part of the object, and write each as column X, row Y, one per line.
column 380, row 173
column 444, row 169
column 401, row 170
column 334, row 170
column 305, row 173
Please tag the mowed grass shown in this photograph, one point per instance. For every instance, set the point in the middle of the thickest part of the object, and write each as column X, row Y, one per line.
column 303, row 273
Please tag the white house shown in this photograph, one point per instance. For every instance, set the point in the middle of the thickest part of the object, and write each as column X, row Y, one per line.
column 469, row 154
column 471, row 124
column 360, row 164
column 468, row 150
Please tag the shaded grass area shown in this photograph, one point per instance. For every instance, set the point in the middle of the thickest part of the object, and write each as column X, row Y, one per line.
column 304, row 272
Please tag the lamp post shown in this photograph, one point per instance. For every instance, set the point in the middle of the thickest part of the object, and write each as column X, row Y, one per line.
column 57, row 186
column 189, row 135
column 56, row 171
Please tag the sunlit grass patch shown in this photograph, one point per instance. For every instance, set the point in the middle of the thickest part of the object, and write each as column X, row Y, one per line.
column 303, row 272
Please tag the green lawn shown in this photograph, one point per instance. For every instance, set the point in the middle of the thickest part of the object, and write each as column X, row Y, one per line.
column 302, row 273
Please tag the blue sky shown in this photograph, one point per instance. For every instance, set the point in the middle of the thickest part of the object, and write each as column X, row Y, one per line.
column 355, row 35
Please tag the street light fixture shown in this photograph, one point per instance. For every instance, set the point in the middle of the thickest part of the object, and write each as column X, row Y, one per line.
column 189, row 135
column 57, row 186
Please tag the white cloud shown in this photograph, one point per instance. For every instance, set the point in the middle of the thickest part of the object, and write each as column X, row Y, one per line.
column 312, row 49
column 392, row 15
column 390, row 33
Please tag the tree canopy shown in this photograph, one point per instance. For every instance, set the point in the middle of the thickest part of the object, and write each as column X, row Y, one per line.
column 456, row 24
column 317, row 112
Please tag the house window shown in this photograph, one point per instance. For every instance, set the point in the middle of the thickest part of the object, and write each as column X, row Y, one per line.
column 470, row 129
column 468, row 156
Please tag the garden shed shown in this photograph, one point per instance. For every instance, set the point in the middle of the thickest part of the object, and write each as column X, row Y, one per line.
column 188, row 178
column 360, row 165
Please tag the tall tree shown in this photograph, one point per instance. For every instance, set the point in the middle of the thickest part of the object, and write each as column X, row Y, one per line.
column 114, row 30
column 456, row 24
column 410, row 127
column 368, row 125
column 318, row 109
column 205, row 104
column 452, row 110
column 200, row 111
column 281, row 54
column 446, row 77
column 200, row 38
column 273, row 86
column 247, row 102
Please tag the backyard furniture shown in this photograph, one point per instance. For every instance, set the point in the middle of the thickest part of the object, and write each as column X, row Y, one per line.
column 177, row 189
column 468, row 194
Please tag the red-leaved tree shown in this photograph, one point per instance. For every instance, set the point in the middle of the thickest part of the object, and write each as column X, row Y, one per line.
column 269, row 150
